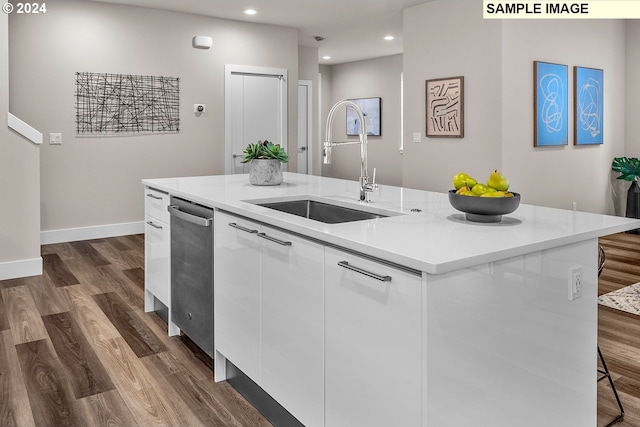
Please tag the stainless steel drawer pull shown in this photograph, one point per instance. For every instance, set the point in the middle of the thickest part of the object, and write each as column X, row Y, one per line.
column 346, row 265
column 273, row 239
column 239, row 227
column 153, row 196
column 159, row 227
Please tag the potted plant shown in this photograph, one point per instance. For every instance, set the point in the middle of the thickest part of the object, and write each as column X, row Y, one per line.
column 266, row 162
column 629, row 168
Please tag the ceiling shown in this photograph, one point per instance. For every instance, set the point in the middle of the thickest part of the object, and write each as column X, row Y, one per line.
column 352, row 29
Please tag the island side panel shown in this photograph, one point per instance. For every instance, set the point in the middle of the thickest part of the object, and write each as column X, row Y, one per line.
column 505, row 346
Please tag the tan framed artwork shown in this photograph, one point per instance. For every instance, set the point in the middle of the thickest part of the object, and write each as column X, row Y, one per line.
column 445, row 107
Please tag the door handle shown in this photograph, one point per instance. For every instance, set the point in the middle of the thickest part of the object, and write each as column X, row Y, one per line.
column 174, row 210
column 346, row 265
column 245, row 229
column 273, row 239
column 303, row 149
column 151, row 223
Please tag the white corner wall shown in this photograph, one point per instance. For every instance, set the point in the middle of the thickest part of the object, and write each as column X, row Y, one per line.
column 379, row 77
column 559, row 176
column 632, row 85
column 19, row 186
column 447, row 38
column 93, row 182
column 308, row 68
column 496, row 58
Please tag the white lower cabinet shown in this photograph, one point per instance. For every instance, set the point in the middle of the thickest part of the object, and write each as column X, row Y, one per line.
column 333, row 337
column 236, row 298
column 157, row 253
column 269, row 312
column 292, row 351
column 373, row 343
column 157, row 249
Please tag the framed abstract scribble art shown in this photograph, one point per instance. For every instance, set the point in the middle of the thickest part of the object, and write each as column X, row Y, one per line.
column 445, row 107
column 550, row 109
column 587, row 106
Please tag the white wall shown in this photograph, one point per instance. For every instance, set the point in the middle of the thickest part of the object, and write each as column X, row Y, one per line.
column 19, row 186
column 632, row 85
column 94, row 181
column 308, row 68
column 496, row 59
column 379, row 77
column 558, row 176
column 446, row 39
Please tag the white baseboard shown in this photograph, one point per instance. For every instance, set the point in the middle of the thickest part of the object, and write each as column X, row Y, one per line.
column 20, row 268
column 93, row 232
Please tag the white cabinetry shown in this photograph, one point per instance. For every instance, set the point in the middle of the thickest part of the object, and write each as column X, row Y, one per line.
column 157, row 279
column 236, row 301
column 292, row 356
column 269, row 312
column 373, row 343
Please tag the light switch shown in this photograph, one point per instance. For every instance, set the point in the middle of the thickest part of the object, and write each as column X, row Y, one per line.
column 55, row 139
column 417, row 137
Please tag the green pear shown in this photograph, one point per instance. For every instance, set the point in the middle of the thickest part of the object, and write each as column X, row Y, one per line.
column 462, row 179
column 480, row 189
column 498, row 181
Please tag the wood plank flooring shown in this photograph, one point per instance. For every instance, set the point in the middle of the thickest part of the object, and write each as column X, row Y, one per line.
column 77, row 349
column 619, row 332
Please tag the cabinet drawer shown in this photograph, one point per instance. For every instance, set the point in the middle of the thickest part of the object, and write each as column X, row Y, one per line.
column 155, row 204
column 157, row 252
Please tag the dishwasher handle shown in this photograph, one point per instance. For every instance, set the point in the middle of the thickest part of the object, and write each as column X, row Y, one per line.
column 194, row 219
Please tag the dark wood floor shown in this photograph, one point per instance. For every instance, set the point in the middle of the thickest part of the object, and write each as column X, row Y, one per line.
column 619, row 332
column 76, row 347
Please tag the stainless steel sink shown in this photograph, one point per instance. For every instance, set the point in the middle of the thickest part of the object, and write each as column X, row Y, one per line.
column 323, row 212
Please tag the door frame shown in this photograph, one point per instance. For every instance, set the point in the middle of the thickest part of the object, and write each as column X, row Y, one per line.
column 229, row 70
column 309, row 85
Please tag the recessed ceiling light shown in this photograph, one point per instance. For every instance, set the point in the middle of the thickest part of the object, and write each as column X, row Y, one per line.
column 326, row 57
column 250, row 12
column 388, row 38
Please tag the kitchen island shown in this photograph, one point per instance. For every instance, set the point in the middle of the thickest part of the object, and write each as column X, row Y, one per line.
column 453, row 323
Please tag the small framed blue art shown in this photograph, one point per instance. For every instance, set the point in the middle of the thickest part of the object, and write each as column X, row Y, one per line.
column 550, row 99
column 372, row 111
column 587, row 106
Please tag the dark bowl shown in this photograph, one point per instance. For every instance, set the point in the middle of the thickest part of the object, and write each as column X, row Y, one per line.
column 484, row 209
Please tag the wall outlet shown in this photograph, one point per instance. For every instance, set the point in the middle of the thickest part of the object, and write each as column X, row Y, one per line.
column 417, row 137
column 55, row 139
column 575, row 282
column 199, row 108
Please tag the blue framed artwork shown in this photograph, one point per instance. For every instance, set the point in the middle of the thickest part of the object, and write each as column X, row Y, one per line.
column 372, row 110
column 588, row 106
column 550, row 98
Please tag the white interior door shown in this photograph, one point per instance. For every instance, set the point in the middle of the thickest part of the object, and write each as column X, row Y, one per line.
column 255, row 110
column 304, row 125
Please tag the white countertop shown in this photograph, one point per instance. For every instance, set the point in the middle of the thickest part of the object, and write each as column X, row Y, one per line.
column 436, row 240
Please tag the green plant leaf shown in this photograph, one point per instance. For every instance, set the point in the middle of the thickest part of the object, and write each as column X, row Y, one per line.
column 264, row 150
column 628, row 167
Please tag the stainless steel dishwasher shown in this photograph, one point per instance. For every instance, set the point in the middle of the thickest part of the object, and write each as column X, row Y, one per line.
column 192, row 271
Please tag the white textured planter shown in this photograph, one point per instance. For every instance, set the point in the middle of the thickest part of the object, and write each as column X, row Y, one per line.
column 265, row 172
